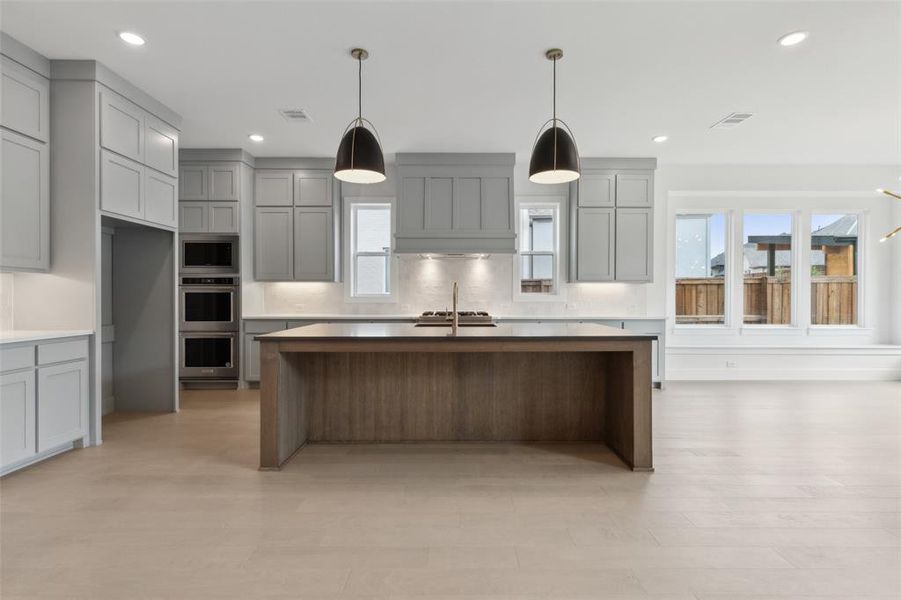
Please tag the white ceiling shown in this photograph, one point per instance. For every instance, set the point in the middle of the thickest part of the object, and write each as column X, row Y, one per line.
column 466, row 76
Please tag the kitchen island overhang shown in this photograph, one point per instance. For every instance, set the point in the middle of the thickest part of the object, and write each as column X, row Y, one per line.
column 395, row 382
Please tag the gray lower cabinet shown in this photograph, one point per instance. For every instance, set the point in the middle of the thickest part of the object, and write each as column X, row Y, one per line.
column 121, row 185
column 634, row 244
column 274, row 244
column 44, row 399
column 17, row 416
column 62, row 403
column 208, row 217
column 251, row 359
column 595, row 244
column 313, row 244
column 25, row 202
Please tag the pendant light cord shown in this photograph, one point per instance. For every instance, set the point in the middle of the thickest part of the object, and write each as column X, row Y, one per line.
column 360, row 89
column 554, row 123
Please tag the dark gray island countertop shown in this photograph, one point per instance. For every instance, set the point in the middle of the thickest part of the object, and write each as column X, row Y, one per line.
column 501, row 332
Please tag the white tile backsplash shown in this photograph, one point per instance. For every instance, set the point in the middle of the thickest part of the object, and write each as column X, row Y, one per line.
column 425, row 284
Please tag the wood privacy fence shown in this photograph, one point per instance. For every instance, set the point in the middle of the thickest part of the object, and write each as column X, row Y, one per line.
column 767, row 299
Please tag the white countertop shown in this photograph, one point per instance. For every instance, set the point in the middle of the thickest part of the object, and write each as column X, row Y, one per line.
column 345, row 316
column 12, row 336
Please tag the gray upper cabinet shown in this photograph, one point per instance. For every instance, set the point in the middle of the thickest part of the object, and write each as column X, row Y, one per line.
column 224, row 182
column 634, row 244
column 313, row 244
column 25, row 202
column 274, row 244
column 595, row 237
column 193, row 183
column 635, row 189
column 160, row 146
column 455, row 203
column 121, row 126
column 611, row 220
column 24, row 100
column 273, row 188
column 121, row 185
column 160, row 198
column 193, row 217
column 224, row 217
column 313, row 188
column 597, row 188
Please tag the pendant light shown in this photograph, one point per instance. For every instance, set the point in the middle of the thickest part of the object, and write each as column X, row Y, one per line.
column 360, row 158
column 555, row 157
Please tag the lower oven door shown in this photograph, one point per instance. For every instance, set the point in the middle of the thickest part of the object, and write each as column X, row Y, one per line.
column 209, row 356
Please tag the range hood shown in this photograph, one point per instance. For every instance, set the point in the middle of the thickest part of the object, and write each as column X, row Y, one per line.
column 455, row 205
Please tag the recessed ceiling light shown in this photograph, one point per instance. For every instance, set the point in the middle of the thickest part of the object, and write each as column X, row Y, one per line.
column 659, row 138
column 255, row 137
column 131, row 38
column 793, row 39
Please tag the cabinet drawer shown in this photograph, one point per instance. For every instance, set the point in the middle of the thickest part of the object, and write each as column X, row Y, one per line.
column 160, row 198
column 55, row 352
column 24, row 202
column 24, row 100
column 62, row 404
column 258, row 327
column 121, row 185
column 20, row 357
column 17, row 417
column 160, row 146
column 121, row 126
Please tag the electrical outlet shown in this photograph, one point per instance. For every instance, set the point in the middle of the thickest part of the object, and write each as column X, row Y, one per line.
column 730, row 364
column 405, row 308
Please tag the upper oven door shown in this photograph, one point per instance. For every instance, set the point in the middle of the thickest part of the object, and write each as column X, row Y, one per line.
column 209, row 255
column 208, row 308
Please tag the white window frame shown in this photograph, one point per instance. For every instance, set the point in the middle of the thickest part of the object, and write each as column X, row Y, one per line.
column 728, row 267
column 558, row 205
column 351, row 204
column 809, row 203
column 791, row 327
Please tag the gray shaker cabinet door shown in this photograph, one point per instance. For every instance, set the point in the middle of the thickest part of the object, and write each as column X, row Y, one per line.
column 62, row 404
column 121, row 185
column 313, row 188
column 597, row 188
column 160, row 146
column 251, row 358
column 635, row 189
column 313, row 244
column 273, row 188
column 24, row 203
column 411, row 205
column 634, row 239
column 17, row 417
column 193, row 217
column 274, row 244
column 160, row 198
column 193, row 183
column 24, row 100
column 121, row 126
column 497, row 204
column 439, row 204
column 224, row 217
column 595, row 244
column 223, row 182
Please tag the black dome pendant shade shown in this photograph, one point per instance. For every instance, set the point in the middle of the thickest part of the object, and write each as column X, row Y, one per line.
column 555, row 156
column 360, row 158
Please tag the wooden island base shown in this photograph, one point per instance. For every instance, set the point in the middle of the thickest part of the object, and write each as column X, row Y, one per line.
column 462, row 389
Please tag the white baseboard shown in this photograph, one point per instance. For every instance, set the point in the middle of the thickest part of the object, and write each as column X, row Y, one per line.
column 734, row 363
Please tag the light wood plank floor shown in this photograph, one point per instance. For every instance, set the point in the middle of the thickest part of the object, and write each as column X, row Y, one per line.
column 771, row 490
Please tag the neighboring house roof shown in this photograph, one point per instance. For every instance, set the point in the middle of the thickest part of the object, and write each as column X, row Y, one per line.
column 841, row 232
column 756, row 259
column 846, row 227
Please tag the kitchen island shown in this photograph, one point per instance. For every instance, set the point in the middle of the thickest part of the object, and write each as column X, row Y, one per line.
column 398, row 382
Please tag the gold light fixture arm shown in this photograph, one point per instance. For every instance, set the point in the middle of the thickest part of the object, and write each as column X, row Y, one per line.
column 897, row 230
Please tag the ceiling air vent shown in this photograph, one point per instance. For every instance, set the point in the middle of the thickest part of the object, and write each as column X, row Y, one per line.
column 733, row 120
column 295, row 115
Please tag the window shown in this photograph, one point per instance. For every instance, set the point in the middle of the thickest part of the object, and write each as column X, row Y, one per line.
column 538, row 249
column 370, row 250
column 700, row 268
column 767, row 269
column 833, row 269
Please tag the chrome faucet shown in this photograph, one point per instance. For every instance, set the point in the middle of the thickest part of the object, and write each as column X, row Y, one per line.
column 455, row 316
